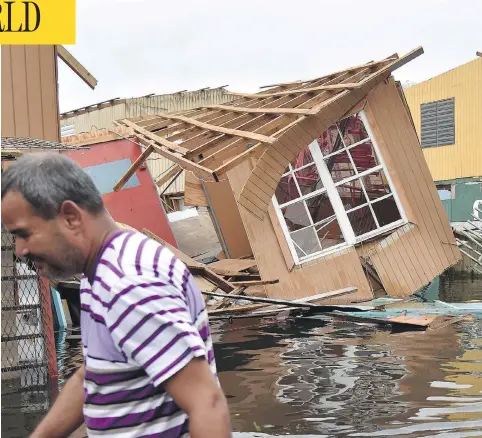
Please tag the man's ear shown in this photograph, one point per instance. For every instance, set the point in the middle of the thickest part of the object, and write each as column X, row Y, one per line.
column 71, row 215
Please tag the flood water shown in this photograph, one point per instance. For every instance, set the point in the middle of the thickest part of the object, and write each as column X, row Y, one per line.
column 331, row 378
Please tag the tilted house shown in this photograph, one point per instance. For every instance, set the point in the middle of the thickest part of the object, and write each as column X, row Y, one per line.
column 328, row 178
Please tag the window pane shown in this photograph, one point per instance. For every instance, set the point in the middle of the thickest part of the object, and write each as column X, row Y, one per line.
column 351, row 194
column 352, row 129
column 386, row 211
column 340, row 166
column 306, row 242
column 364, row 156
column 286, row 190
column 330, row 141
column 296, row 216
column 304, row 157
column 329, row 233
column 308, row 179
column 376, row 185
column 319, row 207
column 362, row 221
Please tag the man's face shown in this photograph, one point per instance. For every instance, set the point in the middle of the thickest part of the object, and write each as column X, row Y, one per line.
column 47, row 243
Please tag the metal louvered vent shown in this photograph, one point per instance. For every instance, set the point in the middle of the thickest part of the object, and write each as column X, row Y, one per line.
column 438, row 123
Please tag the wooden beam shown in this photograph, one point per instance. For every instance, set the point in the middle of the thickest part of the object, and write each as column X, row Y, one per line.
column 254, row 283
column 76, row 66
column 188, row 261
column 194, row 266
column 184, row 163
column 222, row 130
column 132, row 169
column 240, row 109
column 233, row 162
column 156, row 138
column 168, row 174
column 394, row 65
column 289, row 303
column 334, row 87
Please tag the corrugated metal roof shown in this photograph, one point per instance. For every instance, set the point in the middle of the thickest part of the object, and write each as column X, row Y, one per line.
column 103, row 114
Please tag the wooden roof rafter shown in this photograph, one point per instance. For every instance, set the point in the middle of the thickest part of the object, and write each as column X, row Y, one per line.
column 271, row 126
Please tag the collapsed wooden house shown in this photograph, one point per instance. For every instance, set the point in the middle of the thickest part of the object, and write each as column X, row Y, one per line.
column 326, row 177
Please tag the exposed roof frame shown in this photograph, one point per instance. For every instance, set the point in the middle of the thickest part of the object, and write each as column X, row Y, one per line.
column 269, row 126
column 76, row 66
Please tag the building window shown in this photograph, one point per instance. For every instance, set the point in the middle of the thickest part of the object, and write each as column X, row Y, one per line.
column 336, row 193
column 438, row 123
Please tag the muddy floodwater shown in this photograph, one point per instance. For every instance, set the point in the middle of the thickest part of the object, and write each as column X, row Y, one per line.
column 331, row 378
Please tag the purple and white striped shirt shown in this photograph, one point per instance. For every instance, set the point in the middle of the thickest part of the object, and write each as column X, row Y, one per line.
column 143, row 319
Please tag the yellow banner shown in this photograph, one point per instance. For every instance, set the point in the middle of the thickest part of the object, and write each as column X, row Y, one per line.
column 37, row 22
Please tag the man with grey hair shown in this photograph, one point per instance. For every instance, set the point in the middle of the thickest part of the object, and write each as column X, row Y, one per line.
column 149, row 368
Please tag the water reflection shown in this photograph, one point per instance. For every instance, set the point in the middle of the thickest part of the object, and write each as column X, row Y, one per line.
column 345, row 379
column 326, row 378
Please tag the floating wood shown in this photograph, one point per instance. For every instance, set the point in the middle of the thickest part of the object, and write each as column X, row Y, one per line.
column 288, row 303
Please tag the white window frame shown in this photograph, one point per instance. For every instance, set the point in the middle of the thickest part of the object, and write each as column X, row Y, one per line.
column 330, row 187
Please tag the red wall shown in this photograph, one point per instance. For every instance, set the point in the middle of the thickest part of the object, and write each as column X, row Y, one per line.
column 139, row 207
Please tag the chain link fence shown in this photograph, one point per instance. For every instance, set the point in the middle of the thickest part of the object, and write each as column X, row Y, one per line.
column 26, row 317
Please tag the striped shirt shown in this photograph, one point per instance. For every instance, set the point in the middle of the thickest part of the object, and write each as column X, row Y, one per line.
column 142, row 319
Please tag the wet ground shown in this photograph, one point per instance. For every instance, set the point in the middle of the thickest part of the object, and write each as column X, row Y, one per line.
column 332, row 378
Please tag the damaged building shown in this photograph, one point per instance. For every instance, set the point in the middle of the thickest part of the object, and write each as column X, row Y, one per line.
column 326, row 176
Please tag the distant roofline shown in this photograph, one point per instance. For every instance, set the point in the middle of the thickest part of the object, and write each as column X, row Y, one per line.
column 118, row 100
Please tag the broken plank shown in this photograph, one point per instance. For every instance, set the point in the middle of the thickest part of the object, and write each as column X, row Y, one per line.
column 232, row 266
column 204, row 284
column 155, row 138
column 228, row 131
column 188, row 261
column 195, row 267
column 219, row 281
column 132, row 169
column 76, row 66
column 168, row 174
column 310, row 299
column 281, row 301
column 199, row 171
column 254, row 282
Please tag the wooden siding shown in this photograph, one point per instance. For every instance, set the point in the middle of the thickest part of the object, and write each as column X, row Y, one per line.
column 29, row 92
column 412, row 256
column 405, row 260
column 464, row 83
column 335, row 271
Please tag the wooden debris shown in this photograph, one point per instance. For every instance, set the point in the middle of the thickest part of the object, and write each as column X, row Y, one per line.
column 195, row 267
column 232, row 267
column 303, row 302
column 254, row 282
